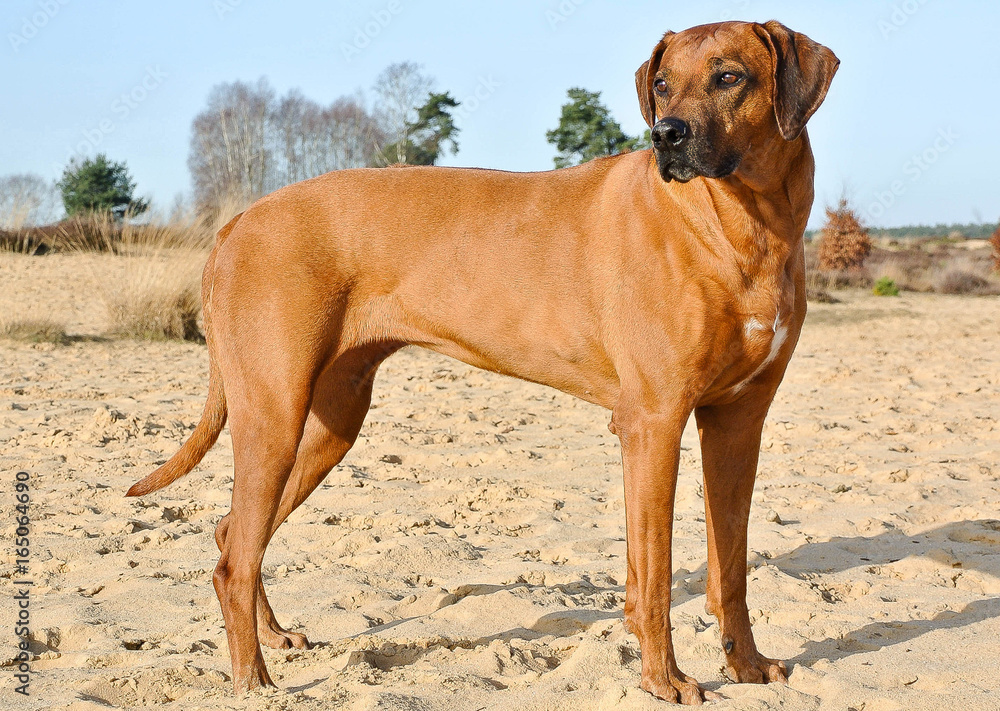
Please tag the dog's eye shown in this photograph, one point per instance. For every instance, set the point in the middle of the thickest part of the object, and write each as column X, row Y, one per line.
column 730, row 79
column 660, row 85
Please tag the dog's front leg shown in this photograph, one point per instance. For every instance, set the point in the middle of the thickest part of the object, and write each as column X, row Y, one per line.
column 730, row 445
column 650, row 454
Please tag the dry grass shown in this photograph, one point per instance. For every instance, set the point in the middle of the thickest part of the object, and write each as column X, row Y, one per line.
column 910, row 268
column 963, row 272
column 823, row 281
column 34, row 330
column 159, row 301
column 921, row 265
column 21, row 242
column 995, row 242
column 159, row 297
column 821, row 296
column 101, row 232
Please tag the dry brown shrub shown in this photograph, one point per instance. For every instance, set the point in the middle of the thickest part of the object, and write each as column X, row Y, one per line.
column 958, row 281
column 820, row 296
column 845, row 243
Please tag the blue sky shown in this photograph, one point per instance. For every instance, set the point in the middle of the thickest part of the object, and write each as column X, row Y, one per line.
column 909, row 127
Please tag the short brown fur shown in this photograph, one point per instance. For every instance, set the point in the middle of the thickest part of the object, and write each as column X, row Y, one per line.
column 654, row 285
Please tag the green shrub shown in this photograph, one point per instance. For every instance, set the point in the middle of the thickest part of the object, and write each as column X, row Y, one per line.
column 885, row 287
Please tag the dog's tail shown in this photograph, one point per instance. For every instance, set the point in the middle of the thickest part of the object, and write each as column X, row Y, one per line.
column 213, row 418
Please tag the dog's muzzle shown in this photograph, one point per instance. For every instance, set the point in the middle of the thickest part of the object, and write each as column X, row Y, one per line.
column 677, row 153
column 670, row 138
column 670, row 134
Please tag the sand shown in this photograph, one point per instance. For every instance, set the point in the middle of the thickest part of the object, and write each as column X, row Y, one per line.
column 470, row 551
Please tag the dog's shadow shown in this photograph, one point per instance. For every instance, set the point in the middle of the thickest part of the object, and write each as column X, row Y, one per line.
column 559, row 624
column 975, row 545
column 955, row 547
column 564, row 623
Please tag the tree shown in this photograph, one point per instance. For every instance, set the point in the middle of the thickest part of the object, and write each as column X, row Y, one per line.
column 231, row 154
column 248, row 141
column 845, row 243
column 587, row 130
column 399, row 89
column 99, row 185
column 312, row 140
column 26, row 199
column 429, row 135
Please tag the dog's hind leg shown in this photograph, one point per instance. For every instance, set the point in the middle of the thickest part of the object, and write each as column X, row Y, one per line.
column 267, row 415
column 341, row 399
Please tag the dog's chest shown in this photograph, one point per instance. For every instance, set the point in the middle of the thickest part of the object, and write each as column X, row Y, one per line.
column 759, row 340
column 763, row 341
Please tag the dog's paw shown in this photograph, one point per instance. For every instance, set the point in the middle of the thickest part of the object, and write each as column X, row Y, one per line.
column 756, row 669
column 680, row 689
column 282, row 639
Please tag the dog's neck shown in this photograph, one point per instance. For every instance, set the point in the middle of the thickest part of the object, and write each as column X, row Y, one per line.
column 762, row 211
column 770, row 207
column 782, row 195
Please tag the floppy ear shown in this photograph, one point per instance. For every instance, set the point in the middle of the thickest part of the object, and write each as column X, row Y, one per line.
column 644, row 81
column 803, row 70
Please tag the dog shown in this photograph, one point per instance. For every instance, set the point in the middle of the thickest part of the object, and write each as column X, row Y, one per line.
column 657, row 284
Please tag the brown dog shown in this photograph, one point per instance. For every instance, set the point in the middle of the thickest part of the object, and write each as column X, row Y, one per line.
column 656, row 284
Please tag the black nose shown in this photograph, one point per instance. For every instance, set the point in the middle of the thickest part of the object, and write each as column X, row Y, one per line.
column 670, row 133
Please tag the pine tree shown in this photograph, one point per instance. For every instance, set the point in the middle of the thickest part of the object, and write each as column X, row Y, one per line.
column 99, row 185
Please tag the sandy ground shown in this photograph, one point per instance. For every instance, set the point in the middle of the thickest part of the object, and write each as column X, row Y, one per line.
column 470, row 554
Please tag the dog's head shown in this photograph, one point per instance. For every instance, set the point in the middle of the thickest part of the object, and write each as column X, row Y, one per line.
column 711, row 93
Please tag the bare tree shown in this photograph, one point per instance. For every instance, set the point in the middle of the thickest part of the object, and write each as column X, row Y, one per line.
column 231, row 154
column 291, row 116
column 353, row 134
column 401, row 88
column 312, row 140
column 248, row 142
column 26, row 200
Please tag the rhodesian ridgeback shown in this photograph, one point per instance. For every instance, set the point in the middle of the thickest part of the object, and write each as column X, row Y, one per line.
column 655, row 284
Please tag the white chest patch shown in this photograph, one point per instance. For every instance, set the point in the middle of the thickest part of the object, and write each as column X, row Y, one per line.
column 778, row 333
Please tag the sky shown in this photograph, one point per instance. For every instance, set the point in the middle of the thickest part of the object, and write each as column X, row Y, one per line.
column 909, row 130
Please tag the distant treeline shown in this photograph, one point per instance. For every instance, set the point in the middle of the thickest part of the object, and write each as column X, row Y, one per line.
column 970, row 231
